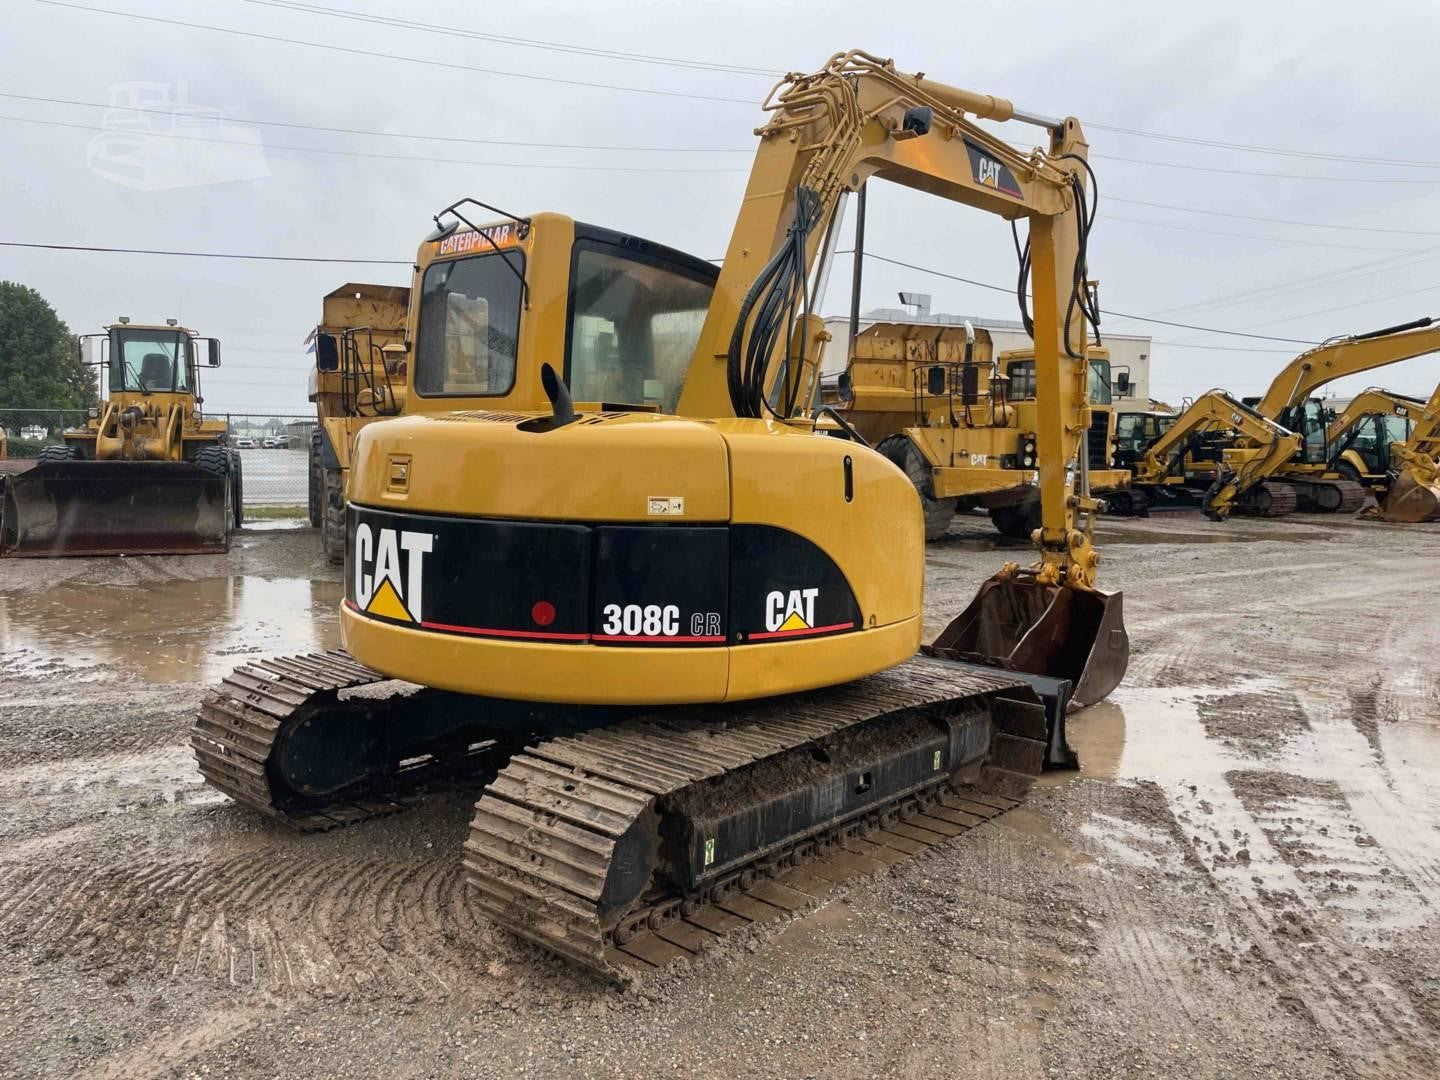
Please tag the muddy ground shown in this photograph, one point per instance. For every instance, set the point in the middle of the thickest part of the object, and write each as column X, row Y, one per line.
column 1241, row 881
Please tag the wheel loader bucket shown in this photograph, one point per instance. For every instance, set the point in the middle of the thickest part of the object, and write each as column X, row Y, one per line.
column 114, row 508
column 1048, row 630
column 1410, row 501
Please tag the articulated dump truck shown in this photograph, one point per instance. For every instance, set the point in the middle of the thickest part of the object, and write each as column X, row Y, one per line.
column 148, row 473
column 660, row 604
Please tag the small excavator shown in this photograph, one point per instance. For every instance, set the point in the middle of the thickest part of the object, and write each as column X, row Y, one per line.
column 358, row 377
column 665, row 607
column 148, row 474
column 1391, row 443
column 1270, row 455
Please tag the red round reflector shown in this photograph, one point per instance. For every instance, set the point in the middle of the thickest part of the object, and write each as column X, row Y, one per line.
column 543, row 613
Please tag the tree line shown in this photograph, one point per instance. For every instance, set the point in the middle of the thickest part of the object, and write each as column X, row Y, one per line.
column 40, row 364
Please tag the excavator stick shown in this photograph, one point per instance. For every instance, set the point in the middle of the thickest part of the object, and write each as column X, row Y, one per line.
column 1410, row 500
column 1016, row 622
column 114, row 508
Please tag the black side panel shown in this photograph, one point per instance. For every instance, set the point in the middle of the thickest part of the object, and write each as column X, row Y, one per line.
column 661, row 586
column 513, row 579
column 783, row 586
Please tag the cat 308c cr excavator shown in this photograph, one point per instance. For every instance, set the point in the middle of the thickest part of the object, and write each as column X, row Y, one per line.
column 1270, row 455
column 669, row 610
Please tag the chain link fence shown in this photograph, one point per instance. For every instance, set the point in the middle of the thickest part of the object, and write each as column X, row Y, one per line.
column 274, row 452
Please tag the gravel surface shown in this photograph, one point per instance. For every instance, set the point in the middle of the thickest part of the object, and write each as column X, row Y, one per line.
column 1241, row 880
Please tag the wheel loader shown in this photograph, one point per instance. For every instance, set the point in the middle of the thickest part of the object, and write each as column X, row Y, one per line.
column 1391, row 443
column 662, row 606
column 148, row 473
column 1270, row 455
column 358, row 377
column 960, row 422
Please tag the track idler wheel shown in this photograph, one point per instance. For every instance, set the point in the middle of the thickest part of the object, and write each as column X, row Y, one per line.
column 1015, row 622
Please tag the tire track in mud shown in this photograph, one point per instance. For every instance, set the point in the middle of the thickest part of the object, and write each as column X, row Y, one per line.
column 1218, row 811
column 262, row 921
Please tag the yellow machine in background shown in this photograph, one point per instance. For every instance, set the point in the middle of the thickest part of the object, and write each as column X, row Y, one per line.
column 1391, row 443
column 359, row 377
column 1246, row 463
column 148, row 474
column 961, row 422
column 664, row 604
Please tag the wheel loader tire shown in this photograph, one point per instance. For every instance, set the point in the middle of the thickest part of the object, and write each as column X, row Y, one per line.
column 57, row 453
column 317, row 476
column 1349, row 472
column 237, row 487
column 332, row 522
column 213, row 459
column 938, row 512
column 1016, row 522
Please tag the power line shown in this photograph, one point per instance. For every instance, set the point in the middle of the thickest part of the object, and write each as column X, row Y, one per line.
column 1250, row 236
column 205, row 254
column 383, row 134
column 1251, row 148
column 429, row 63
column 1106, row 311
column 369, row 155
column 528, row 43
column 1251, row 217
column 1267, row 175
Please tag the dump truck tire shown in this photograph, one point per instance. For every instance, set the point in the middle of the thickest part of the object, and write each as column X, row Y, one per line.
column 1018, row 521
column 332, row 523
column 237, row 487
column 57, row 453
column 317, row 477
column 907, row 457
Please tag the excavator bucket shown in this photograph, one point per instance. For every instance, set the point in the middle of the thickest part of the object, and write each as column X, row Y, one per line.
column 1410, row 500
column 114, row 508
column 1049, row 630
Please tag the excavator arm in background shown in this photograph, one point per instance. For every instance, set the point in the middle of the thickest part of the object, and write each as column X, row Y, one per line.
column 830, row 133
column 1269, row 447
column 1343, row 356
column 1372, row 401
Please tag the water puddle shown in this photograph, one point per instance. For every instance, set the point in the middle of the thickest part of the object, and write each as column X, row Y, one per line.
column 173, row 631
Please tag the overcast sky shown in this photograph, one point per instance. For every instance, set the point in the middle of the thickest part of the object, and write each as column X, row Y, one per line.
column 1351, row 80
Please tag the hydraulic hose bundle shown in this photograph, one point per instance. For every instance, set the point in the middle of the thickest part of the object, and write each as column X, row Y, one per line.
column 773, row 299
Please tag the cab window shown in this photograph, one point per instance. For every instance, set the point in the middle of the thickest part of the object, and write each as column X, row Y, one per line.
column 149, row 361
column 469, row 326
column 634, row 322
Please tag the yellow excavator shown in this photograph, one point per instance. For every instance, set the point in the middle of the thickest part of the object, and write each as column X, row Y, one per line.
column 358, row 377
column 148, row 474
column 666, row 607
column 1391, row 443
column 1269, row 455
column 960, row 421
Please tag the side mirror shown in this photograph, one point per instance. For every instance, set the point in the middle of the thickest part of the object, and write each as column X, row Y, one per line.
column 846, row 386
column 935, row 381
column 213, row 359
column 1122, row 384
column 327, row 352
column 91, row 353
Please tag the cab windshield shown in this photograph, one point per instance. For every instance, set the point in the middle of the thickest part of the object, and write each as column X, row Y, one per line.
column 1022, row 380
column 469, row 326
column 634, row 322
column 149, row 361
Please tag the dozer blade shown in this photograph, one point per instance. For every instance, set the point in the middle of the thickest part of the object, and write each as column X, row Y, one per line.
column 1410, row 501
column 114, row 508
column 1048, row 630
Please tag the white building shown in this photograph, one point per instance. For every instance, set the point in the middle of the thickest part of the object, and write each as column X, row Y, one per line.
column 1129, row 353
